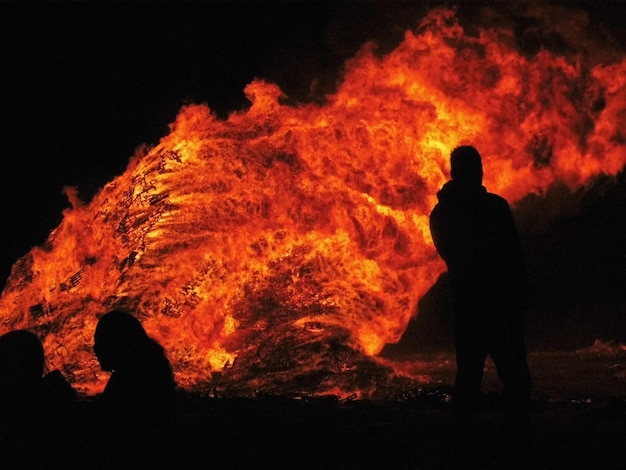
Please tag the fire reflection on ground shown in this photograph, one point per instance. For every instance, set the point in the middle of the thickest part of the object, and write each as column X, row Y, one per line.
column 558, row 376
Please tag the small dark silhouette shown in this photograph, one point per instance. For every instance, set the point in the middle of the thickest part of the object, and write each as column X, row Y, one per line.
column 35, row 410
column 136, row 406
column 475, row 234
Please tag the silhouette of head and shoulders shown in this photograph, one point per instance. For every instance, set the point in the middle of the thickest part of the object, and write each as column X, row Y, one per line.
column 465, row 187
column 134, row 412
column 22, row 379
column 21, row 364
column 35, row 409
column 141, row 376
column 475, row 234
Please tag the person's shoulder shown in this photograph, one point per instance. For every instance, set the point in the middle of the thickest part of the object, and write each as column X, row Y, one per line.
column 55, row 385
column 435, row 210
column 496, row 199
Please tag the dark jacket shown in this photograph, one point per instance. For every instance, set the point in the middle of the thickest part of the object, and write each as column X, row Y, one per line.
column 475, row 234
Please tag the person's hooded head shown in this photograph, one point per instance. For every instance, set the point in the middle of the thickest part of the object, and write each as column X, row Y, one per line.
column 21, row 360
column 466, row 166
column 119, row 340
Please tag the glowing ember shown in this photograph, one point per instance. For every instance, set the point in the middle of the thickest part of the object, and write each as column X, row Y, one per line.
column 285, row 246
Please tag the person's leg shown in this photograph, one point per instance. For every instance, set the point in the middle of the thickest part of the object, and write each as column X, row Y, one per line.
column 509, row 355
column 470, row 359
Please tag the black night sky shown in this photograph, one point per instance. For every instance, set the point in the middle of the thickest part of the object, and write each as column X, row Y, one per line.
column 83, row 84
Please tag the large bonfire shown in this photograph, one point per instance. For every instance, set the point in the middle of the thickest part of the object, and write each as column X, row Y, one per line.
column 280, row 249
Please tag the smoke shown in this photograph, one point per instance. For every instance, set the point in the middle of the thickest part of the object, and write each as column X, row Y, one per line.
column 309, row 72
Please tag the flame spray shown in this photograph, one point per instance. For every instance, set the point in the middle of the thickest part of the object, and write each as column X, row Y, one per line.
column 284, row 246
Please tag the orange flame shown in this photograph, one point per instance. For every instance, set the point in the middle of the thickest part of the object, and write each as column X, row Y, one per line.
column 231, row 237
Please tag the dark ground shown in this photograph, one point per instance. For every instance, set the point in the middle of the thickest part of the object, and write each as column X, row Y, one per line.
column 409, row 433
column 578, row 421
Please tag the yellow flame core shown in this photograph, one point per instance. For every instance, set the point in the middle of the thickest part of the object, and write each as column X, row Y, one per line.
column 323, row 209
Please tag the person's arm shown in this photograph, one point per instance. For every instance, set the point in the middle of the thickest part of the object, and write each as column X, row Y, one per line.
column 516, row 258
column 439, row 233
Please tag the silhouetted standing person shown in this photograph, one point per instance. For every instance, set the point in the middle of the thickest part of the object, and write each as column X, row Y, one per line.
column 136, row 405
column 475, row 234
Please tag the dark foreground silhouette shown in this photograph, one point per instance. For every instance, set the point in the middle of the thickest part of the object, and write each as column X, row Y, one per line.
column 134, row 412
column 35, row 410
column 410, row 430
column 410, row 433
column 474, row 232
